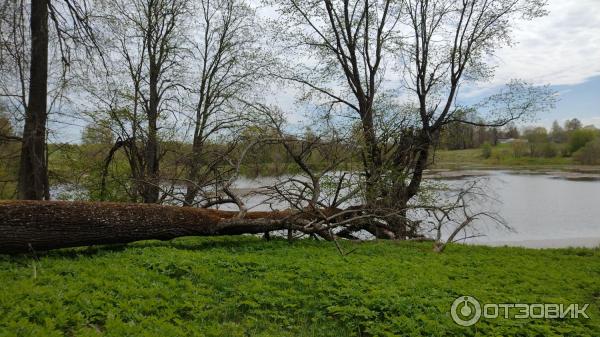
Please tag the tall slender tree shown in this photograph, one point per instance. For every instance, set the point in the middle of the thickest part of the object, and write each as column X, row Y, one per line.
column 33, row 169
column 229, row 65
column 69, row 20
column 144, row 41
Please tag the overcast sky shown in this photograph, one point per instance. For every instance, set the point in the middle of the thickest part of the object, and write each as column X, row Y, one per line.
column 561, row 49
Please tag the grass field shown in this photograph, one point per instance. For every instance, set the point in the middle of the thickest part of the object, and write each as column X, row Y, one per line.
column 243, row 286
column 501, row 157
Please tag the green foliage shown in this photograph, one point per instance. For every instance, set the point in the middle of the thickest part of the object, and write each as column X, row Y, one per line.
column 8, row 177
column 81, row 166
column 519, row 149
column 9, row 157
column 517, row 154
column 243, row 286
column 573, row 124
column 548, row 150
column 486, row 150
column 536, row 135
column 6, row 127
column 580, row 137
column 98, row 133
column 558, row 134
column 589, row 154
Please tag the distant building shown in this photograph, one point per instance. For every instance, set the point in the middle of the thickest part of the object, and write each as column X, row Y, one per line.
column 511, row 140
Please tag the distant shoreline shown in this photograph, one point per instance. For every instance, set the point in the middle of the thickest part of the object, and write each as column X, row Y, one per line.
column 574, row 174
column 593, row 242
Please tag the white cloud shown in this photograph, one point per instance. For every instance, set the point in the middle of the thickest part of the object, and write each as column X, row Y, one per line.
column 562, row 48
column 592, row 121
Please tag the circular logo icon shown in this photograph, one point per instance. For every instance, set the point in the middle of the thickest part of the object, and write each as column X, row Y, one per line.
column 466, row 311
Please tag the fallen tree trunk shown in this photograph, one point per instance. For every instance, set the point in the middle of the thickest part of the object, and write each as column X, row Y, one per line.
column 44, row 225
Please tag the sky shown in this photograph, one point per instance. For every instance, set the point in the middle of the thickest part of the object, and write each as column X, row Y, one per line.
column 561, row 49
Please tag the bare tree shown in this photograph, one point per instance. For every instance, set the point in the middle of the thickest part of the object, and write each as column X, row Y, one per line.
column 27, row 88
column 145, row 41
column 14, row 56
column 438, row 45
column 33, row 171
column 470, row 31
column 454, row 217
column 228, row 63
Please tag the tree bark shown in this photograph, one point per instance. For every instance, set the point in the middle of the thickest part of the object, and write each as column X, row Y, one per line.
column 45, row 225
column 33, row 170
column 152, row 175
column 152, row 179
column 192, row 187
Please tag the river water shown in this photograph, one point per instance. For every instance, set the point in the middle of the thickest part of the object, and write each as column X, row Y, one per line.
column 544, row 210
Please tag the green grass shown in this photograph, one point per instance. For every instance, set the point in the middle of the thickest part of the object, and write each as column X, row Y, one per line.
column 243, row 286
column 502, row 157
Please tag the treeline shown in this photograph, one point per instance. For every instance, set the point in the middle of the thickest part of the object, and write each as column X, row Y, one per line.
column 82, row 165
column 572, row 139
column 79, row 168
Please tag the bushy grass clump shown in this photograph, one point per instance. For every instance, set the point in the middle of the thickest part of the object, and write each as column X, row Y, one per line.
column 244, row 286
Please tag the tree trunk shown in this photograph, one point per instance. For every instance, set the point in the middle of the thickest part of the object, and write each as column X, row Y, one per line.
column 374, row 161
column 151, row 176
column 194, row 166
column 44, row 225
column 33, row 170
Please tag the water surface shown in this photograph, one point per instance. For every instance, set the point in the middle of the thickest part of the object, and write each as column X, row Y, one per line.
column 547, row 208
column 544, row 210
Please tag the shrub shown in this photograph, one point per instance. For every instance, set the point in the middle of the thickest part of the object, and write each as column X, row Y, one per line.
column 519, row 149
column 548, row 150
column 589, row 154
column 579, row 138
column 486, row 150
column 501, row 154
